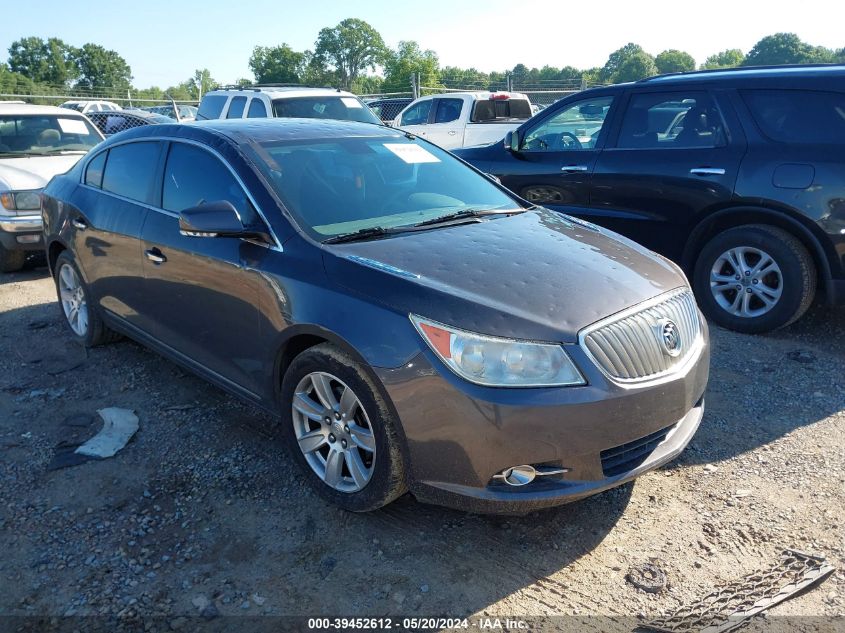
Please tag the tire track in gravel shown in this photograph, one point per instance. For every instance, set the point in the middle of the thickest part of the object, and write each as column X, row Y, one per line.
column 533, row 584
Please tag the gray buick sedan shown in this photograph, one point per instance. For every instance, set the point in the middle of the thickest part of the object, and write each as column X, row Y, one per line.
column 415, row 326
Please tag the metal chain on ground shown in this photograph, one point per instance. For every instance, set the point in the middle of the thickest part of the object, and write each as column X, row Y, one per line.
column 728, row 607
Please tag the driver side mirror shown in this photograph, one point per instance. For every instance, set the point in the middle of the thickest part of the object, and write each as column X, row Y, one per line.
column 512, row 141
column 216, row 219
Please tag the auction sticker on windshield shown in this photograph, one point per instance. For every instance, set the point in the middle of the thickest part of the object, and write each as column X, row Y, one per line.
column 73, row 126
column 412, row 154
column 349, row 102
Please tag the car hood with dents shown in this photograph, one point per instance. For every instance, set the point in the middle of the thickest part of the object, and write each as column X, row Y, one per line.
column 537, row 275
column 33, row 172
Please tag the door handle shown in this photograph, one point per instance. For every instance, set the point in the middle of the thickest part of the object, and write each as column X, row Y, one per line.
column 79, row 224
column 155, row 256
column 707, row 171
column 574, row 168
column 452, row 132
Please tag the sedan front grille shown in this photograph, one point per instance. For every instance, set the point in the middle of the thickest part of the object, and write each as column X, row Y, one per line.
column 648, row 341
column 626, row 457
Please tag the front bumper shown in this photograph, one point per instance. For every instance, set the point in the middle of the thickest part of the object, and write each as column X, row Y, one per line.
column 21, row 232
column 458, row 436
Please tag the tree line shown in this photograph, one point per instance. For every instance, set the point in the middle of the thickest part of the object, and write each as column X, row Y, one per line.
column 354, row 56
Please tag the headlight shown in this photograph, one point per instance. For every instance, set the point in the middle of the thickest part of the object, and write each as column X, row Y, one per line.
column 21, row 200
column 498, row 362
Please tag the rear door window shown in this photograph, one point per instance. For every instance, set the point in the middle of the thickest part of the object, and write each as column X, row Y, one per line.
column 448, row 110
column 798, row 116
column 211, row 107
column 131, row 169
column 236, row 108
column 193, row 176
column 417, row 114
column 667, row 120
column 257, row 109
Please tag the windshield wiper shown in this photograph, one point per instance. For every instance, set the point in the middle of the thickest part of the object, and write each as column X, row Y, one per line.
column 466, row 214
column 364, row 234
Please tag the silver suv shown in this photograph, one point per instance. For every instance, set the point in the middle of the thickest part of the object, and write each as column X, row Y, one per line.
column 286, row 102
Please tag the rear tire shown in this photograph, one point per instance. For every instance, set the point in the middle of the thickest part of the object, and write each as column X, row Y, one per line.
column 367, row 429
column 754, row 279
column 78, row 308
column 11, row 261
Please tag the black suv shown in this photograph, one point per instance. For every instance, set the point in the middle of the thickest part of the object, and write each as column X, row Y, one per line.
column 738, row 175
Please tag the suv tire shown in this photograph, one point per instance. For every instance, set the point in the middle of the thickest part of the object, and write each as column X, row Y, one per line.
column 94, row 331
column 754, row 278
column 11, row 261
column 386, row 472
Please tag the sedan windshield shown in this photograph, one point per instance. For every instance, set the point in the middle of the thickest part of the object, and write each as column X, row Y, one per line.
column 340, row 107
column 45, row 134
column 343, row 186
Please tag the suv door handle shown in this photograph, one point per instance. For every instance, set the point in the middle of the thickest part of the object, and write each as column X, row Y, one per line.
column 707, row 171
column 452, row 132
column 574, row 168
column 155, row 256
column 79, row 224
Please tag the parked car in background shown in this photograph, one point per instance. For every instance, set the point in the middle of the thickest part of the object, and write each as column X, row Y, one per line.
column 415, row 325
column 186, row 113
column 387, row 109
column 86, row 106
column 113, row 122
column 464, row 119
column 284, row 102
column 36, row 143
column 739, row 175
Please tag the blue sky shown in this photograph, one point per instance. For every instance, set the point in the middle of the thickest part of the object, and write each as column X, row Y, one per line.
column 165, row 40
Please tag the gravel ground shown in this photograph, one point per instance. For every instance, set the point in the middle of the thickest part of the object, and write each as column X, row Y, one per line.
column 202, row 513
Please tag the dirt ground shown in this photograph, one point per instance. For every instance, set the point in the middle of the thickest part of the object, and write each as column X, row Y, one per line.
column 202, row 512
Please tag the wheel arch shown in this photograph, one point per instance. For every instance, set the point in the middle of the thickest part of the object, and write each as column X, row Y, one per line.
column 54, row 249
column 735, row 216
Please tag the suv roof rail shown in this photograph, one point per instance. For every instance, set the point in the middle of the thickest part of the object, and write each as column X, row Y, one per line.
column 738, row 69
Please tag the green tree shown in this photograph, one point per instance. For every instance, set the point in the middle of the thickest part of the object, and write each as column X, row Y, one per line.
column 637, row 66
column 725, row 59
column 785, row 48
column 102, row 69
column 616, row 59
column 406, row 60
column 277, row 64
column 200, row 83
column 674, row 61
column 350, row 48
column 50, row 62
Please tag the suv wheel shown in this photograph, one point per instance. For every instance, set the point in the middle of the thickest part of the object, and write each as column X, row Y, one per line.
column 11, row 261
column 754, row 279
column 340, row 430
column 80, row 313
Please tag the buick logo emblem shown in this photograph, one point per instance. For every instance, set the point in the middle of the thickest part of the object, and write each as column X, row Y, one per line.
column 669, row 337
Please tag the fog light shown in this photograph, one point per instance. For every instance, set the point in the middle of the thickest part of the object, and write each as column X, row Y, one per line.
column 28, row 239
column 519, row 475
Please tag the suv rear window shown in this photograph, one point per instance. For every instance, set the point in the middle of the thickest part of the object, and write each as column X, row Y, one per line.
column 492, row 109
column 798, row 116
column 343, row 108
column 211, row 107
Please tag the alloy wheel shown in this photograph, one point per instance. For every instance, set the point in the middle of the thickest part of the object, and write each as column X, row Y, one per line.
column 746, row 281
column 74, row 302
column 334, row 432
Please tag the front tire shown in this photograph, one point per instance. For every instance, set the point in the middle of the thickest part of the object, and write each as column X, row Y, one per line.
column 339, row 428
column 11, row 261
column 77, row 306
column 755, row 278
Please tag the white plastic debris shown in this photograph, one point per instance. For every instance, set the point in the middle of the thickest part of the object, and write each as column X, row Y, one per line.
column 119, row 425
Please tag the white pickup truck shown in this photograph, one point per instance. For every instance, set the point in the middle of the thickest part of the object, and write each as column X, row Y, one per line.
column 464, row 119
